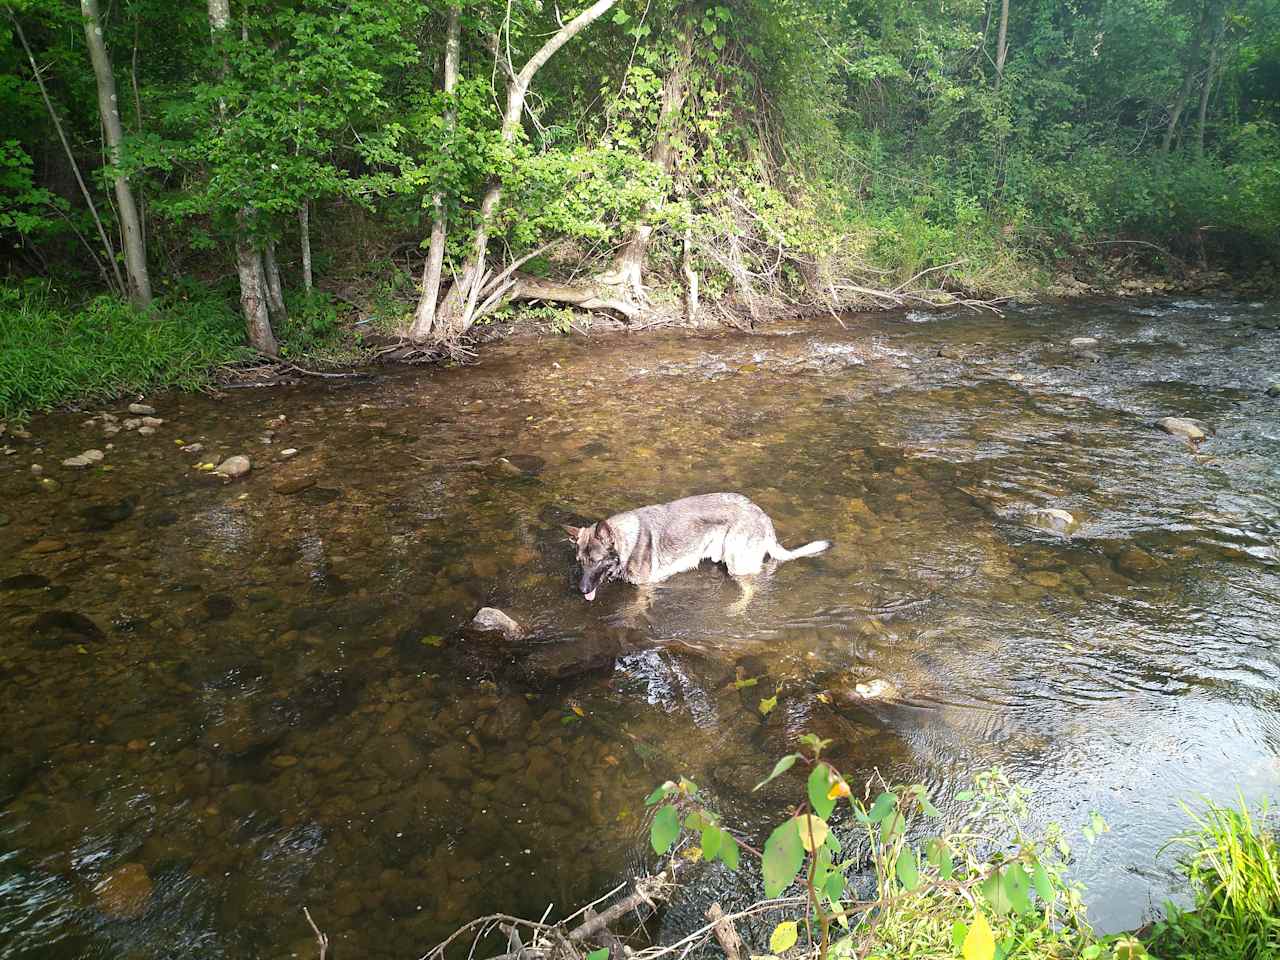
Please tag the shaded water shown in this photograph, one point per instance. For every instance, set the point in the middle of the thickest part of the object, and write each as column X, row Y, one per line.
column 261, row 697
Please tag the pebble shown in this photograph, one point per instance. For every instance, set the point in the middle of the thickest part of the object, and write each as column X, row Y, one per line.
column 142, row 409
column 88, row 458
column 193, row 448
column 146, row 431
column 233, row 467
column 288, row 453
column 1055, row 521
column 47, row 546
column 1083, row 343
column 1184, row 427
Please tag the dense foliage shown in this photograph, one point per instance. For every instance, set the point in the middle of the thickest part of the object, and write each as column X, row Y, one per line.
column 802, row 150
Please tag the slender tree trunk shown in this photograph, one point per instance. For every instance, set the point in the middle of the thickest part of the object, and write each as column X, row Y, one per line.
column 249, row 261
column 253, row 297
column 459, row 305
column 304, row 238
column 1210, row 71
column 275, row 289
column 71, row 159
column 1184, row 92
column 627, row 270
column 424, row 317
column 690, row 279
column 1002, row 42
column 135, row 257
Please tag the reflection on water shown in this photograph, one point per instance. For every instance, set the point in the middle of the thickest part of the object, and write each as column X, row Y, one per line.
column 263, row 698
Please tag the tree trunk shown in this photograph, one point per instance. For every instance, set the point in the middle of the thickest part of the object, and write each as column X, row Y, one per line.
column 135, row 257
column 249, row 262
column 304, row 238
column 253, row 298
column 75, row 167
column 275, row 290
column 424, row 318
column 1002, row 42
column 690, row 279
column 1207, row 87
column 1184, row 92
column 627, row 270
column 459, row 305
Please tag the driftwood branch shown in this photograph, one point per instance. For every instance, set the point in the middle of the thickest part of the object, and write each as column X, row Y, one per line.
column 725, row 932
column 321, row 938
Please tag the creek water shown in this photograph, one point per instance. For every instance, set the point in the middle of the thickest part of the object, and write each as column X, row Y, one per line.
column 222, row 702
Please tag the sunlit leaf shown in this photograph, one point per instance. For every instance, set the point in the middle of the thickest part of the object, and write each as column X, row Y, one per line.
column 881, row 808
column 813, row 831
column 659, row 794
column 819, row 789
column 1044, row 887
column 779, row 768
column 959, row 930
column 711, row 840
column 664, row 830
column 767, row 705
column 994, row 892
column 907, row 869
column 728, row 850
column 784, row 937
column 783, row 856
column 1017, row 888
column 979, row 942
column 601, row 954
column 891, row 827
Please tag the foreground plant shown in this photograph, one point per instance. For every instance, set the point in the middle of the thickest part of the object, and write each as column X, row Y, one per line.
column 984, row 890
column 1231, row 860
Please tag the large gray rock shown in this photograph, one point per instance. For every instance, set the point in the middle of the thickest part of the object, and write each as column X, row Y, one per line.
column 492, row 619
column 1184, row 427
column 233, row 467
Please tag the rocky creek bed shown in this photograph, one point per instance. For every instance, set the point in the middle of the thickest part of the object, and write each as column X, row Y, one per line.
column 232, row 688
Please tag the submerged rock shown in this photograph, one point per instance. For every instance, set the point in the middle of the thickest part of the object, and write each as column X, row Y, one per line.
column 1184, row 427
column 233, row 467
column 288, row 485
column 86, row 459
column 877, row 689
column 103, row 516
column 142, row 409
column 1134, row 561
column 125, row 892
column 60, row 628
column 24, row 581
column 490, row 618
column 47, row 546
column 1055, row 521
column 1082, row 343
column 1274, row 389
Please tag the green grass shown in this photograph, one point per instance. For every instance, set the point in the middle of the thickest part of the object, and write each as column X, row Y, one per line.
column 1231, row 861
column 53, row 353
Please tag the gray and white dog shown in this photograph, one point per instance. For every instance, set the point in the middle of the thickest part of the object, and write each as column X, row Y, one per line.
column 652, row 543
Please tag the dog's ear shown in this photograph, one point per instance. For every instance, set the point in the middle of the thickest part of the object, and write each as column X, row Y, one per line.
column 573, row 532
column 604, row 533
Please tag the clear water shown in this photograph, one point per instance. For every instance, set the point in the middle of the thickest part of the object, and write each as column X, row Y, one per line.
column 272, row 706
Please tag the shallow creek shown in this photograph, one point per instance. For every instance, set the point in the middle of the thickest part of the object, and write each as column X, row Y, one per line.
column 235, row 701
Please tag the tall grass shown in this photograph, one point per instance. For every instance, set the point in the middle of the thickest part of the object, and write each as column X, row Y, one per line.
column 53, row 353
column 1231, row 860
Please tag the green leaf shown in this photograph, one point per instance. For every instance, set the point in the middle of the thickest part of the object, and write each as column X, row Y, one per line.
column 892, row 826
column 834, row 887
column 964, row 796
column 994, row 892
column 1044, row 887
column 664, row 830
column 819, row 784
column 746, row 682
column 783, row 856
column 601, row 954
column 767, row 705
column 1017, row 888
column 659, row 794
column 779, row 768
column 784, row 937
column 979, row 942
column 712, row 837
column 907, row 870
column 880, row 809
column 728, row 850
column 959, row 930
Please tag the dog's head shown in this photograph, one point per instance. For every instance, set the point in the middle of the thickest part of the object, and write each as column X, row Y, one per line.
column 597, row 555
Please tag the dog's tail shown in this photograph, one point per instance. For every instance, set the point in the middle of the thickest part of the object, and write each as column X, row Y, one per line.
column 779, row 552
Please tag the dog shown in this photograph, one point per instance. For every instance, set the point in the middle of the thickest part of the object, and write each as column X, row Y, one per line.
column 648, row 545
